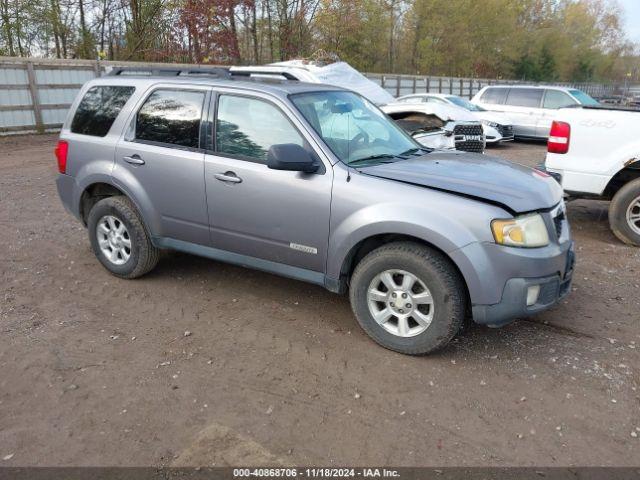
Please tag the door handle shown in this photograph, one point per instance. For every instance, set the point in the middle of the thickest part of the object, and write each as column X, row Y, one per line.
column 134, row 160
column 228, row 177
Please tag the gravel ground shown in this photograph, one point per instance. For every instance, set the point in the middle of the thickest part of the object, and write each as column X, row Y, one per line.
column 202, row 363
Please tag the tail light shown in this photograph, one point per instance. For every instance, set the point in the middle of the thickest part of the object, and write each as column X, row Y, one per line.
column 559, row 137
column 62, row 149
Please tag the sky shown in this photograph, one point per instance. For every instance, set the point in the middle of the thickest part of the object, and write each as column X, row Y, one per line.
column 631, row 10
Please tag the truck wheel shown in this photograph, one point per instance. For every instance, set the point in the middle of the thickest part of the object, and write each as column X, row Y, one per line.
column 407, row 297
column 119, row 238
column 624, row 213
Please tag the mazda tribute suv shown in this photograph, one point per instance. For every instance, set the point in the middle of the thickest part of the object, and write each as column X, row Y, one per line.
column 314, row 183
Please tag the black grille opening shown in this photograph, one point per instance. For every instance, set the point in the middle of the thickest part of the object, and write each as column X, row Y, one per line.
column 558, row 222
column 505, row 130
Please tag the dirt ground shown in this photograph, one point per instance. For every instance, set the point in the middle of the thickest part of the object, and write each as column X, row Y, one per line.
column 202, row 363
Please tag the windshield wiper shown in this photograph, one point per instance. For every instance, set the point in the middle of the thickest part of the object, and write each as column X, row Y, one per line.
column 372, row 159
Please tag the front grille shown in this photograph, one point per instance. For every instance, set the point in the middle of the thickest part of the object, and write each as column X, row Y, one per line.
column 469, row 137
column 506, row 130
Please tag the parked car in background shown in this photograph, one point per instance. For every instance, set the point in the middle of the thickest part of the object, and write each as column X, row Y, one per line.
column 497, row 126
column 444, row 127
column 530, row 108
column 594, row 152
column 315, row 183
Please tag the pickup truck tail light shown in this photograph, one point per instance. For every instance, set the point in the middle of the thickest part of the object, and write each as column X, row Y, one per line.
column 559, row 137
column 61, row 151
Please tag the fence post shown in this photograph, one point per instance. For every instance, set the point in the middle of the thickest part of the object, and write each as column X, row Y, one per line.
column 439, row 84
column 397, row 86
column 426, row 83
column 382, row 78
column 461, row 86
column 414, row 84
column 451, row 85
column 35, row 97
column 97, row 69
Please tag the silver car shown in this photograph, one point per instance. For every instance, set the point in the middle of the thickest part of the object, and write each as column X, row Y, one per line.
column 314, row 183
column 530, row 108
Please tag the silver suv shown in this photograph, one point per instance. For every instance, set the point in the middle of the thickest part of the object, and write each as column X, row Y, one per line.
column 314, row 183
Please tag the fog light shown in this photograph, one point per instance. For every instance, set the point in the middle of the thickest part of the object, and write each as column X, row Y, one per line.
column 532, row 294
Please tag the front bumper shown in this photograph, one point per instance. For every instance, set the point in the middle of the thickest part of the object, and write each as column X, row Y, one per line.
column 513, row 304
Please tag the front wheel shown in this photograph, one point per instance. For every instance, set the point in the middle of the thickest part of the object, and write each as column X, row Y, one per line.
column 119, row 238
column 624, row 213
column 409, row 298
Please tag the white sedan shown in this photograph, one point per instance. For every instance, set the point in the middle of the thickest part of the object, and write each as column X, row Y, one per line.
column 497, row 127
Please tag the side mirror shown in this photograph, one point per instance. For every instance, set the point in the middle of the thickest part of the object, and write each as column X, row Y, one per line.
column 289, row 156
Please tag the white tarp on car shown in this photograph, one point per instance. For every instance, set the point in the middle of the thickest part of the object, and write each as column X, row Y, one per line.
column 341, row 74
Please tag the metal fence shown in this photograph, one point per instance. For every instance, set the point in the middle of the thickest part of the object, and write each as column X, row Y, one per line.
column 35, row 94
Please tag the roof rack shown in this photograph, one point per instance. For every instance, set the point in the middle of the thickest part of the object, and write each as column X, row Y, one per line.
column 218, row 72
column 261, row 73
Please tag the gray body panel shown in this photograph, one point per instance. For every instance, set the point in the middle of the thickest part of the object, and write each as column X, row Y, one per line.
column 307, row 226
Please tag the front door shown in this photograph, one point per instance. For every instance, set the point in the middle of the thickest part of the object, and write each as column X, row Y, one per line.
column 254, row 211
column 160, row 152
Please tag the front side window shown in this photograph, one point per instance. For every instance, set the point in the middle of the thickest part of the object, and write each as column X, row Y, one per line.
column 525, row 97
column 495, row 95
column 351, row 126
column 557, row 99
column 248, row 127
column 171, row 117
column 99, row 108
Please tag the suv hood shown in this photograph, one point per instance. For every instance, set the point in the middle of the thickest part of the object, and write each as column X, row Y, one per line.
column 517, row 188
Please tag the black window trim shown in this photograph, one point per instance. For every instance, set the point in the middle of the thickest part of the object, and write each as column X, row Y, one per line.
column 134, row 120
column 212, row 148
column 98, row 85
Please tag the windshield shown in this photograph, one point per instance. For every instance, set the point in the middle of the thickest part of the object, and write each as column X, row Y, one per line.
column 464, row 103
column 583, row 98
column 352, row 127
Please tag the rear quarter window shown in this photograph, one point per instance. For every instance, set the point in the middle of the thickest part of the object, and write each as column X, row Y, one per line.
column 494, row 95
column 99, row 108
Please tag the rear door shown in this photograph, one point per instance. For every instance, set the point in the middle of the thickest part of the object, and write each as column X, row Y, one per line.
column 524, row 107
column 254, row 211
column 160, row 152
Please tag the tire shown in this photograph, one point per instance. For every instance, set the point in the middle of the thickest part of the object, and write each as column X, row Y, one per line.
column 432, row 270
column 128, row 262
column 623, row 213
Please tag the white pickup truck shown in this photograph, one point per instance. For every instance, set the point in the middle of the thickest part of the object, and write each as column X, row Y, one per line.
column 594, row 152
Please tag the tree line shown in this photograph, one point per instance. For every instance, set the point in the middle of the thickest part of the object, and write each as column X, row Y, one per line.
column 538, row 40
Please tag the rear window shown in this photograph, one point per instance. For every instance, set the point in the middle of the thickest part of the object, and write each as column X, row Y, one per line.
column 99, row 108
column 525, row 97
column 171, row 117
column 494, row 95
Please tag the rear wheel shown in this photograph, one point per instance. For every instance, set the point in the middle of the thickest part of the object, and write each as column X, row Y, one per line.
column 119, row 238
column 409, row 298
column 624, row 213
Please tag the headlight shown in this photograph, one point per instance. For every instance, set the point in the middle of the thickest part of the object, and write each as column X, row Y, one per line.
column 525, row 231
column 489, row 124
